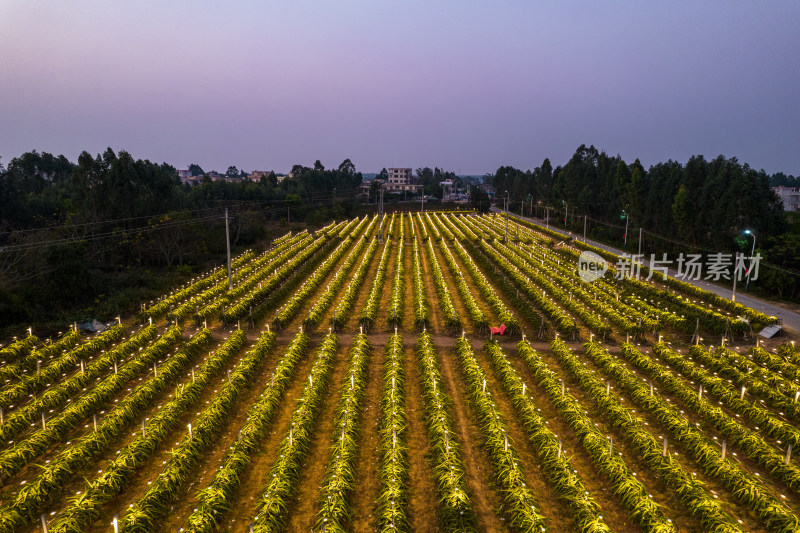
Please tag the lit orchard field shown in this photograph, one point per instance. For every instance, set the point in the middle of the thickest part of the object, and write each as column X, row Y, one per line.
column 346, row 382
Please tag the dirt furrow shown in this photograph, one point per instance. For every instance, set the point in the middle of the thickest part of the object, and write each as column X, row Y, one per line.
column 364, row 497
column 487, row 501
column 251, row 483
column 661, row 493
column 423, row 508
column 613, row 513
column 302, row 513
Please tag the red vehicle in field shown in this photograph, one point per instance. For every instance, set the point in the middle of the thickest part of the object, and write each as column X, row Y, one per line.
column 499, row 331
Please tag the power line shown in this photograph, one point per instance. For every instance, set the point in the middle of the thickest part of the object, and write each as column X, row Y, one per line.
column 101, row 222
column 222, row 203
column 98, row 236
column 709, row 250
column 765, row 264
column 324, row 200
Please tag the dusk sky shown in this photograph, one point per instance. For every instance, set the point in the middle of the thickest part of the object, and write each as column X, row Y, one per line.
column 463, row 85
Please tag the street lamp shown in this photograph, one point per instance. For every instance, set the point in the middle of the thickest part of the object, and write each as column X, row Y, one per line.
column 752, row 251
column 625, row 235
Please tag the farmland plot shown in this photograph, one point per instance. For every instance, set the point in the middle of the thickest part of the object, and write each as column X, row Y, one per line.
column 351, row 383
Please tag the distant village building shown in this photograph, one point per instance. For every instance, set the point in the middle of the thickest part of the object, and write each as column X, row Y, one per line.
column 186, row 178
column 363, row 189
column 257, row 175
column 448, row 189
column 790, row 196
column 216, row 176
column 400, row 179
column 192, row 180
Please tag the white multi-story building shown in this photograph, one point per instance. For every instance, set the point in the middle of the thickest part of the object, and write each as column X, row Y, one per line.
column 400, row 180
column 399, row 175
column 790, row 196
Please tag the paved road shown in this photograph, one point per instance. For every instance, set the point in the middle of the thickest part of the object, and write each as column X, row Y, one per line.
column 791, row 319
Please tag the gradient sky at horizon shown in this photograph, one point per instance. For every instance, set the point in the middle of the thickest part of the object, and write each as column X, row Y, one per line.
column 466, row 86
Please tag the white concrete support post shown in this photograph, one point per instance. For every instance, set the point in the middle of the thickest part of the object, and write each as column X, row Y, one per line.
column 228, row 243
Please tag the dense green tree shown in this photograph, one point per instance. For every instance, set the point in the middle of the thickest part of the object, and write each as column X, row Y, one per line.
column 478, row 199
column 682, row 213
column 152, row 221
column 776, row 180
column 543, row 179
column 635, row 194
column 784, row 251
column 299, row 170
column 622, row 180
column 662, row 183
column 32, row 189
column 147, row 218
column 347, row 168
column 705, row 203
column 269, row 181
column 196, row 170
column 68, row 277
column 431, row 180
column 374, row 189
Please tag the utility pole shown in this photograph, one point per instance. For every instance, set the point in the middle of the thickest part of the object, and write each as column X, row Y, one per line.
column 584, row 228
column 640, row 240
column 752, row 259
column 625, row 237
column 228, row 242
column 380, row 212
column 507, row 216
column 547, row 217
column 733, row 296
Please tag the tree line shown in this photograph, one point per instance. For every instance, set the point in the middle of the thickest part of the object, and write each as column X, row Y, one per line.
column 97, row 236
column 707, row 204
column 100, row 235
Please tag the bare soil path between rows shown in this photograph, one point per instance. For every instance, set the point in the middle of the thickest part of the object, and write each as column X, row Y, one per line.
column 364, row 499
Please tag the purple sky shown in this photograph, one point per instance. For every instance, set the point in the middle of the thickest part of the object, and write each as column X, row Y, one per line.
column 463, row 85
